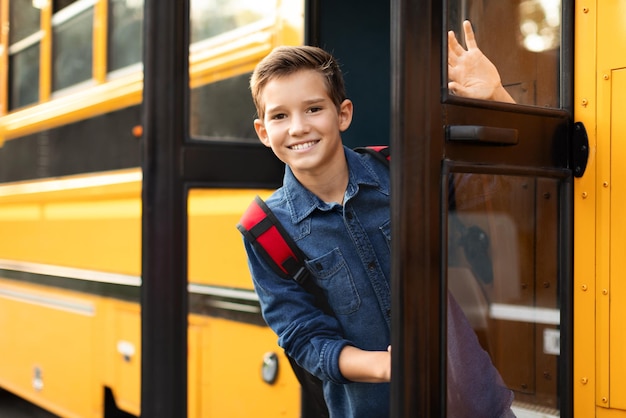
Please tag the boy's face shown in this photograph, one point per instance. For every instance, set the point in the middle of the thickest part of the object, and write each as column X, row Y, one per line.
column 302, row 125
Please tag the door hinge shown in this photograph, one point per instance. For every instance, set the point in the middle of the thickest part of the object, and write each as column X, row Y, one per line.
column 579, row 150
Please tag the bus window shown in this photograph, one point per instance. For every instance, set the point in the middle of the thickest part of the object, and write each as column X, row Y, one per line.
column 522, row 38
column 72, row 43
column 502, row 270
column 223, row 110
column 216, row 17
column 125, row 33
column 24, row 45
column 239, row 32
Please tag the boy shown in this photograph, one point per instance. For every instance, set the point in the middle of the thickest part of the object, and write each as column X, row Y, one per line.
column 335, row 204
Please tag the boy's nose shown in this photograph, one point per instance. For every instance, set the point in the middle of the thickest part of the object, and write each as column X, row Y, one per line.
column 299, row 126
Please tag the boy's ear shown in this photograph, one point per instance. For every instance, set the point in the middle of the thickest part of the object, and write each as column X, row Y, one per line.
column 345, row 114
column 261, row 132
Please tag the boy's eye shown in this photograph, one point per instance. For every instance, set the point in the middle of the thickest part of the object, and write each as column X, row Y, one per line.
column 314, row 109
column 278, row 116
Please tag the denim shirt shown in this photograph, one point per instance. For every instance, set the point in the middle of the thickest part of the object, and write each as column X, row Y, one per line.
column 349, row 252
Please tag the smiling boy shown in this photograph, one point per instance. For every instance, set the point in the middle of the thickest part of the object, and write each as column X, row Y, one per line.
column 335, row 204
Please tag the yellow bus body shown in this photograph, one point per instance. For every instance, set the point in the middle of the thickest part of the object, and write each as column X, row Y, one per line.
column 60, row 348
column 599, row 224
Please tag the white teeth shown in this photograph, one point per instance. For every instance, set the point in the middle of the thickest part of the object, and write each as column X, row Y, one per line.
column 298, row 147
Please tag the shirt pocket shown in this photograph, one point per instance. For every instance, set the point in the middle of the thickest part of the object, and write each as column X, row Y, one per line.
column 333, row 276
column 386, row 231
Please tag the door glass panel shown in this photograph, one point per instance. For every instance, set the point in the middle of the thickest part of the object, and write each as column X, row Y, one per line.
column 226, row 38
column 522, row 38
column 215, row 17
column 502, row 270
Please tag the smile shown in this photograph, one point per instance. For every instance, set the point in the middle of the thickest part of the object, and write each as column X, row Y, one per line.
column 298, row 147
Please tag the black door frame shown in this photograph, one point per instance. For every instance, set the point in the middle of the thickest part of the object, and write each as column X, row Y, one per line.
column 164, row 299
column 173, row 163
column 416, row 143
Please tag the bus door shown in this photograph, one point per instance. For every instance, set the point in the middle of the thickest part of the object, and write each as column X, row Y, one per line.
column 484, row 198
column 180, row 155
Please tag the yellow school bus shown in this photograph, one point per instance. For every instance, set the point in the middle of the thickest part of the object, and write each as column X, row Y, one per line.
column 124, row 287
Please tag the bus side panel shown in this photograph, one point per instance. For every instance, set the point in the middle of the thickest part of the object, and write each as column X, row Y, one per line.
column 234, row 345
column 69, row 301
column 125, row 349
column 48, row 341
column 617, row 327
column 232, row 385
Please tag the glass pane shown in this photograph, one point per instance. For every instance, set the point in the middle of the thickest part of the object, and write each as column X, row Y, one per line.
column 24, row 19
column 24, row 77
column 226, row 35
column 521, row 38
column 503, row 272
column 210, row 18
column 61, row 4
column 72, row 43
column 223, row 110
column 125, row 33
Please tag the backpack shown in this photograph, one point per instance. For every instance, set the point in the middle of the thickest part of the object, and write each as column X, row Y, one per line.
column 263, row 230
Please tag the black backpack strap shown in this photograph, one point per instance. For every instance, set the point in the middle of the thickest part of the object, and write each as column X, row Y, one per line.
column 380, row 152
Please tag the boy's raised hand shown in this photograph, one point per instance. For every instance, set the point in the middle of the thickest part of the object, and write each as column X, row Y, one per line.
column 470, row 72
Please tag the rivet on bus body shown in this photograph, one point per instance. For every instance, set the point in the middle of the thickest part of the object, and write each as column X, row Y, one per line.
column 605, row 292
column 605, row 399
column 605, row 76
column 584, row 380
column 585, row 102
column 584, row 287
column 584, row 195
column 605, row 184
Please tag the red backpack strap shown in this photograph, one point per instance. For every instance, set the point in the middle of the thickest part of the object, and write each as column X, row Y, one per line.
column 380, row 152
column 264, row 231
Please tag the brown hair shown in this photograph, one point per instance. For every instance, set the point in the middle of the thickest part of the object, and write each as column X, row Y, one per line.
column 286, row 60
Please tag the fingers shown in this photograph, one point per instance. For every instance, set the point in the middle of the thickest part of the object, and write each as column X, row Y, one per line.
column 455, row 50
column 453, row 44
column 470, row 39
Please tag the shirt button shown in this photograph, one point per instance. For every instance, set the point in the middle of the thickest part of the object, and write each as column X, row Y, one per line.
column 349, row 215
column 371, row 265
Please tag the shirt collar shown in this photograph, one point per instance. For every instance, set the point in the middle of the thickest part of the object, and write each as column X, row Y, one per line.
column 302, row 202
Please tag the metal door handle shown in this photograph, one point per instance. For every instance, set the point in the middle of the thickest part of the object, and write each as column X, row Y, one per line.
column 481, row 134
